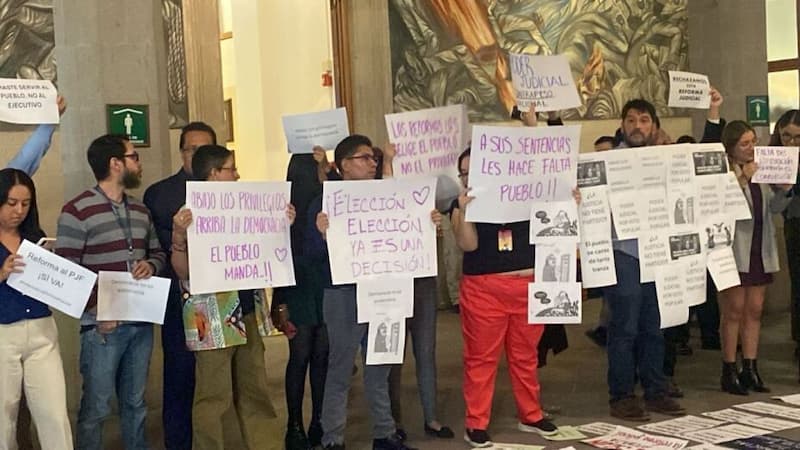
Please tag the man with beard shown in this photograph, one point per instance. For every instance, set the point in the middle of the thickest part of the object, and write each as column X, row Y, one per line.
column 103, row 228
column 635, row 339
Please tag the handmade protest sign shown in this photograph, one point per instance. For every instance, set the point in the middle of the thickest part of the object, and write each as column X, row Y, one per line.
column 776, row 165
column 379, row 228
column 28, row 101
column 554, row 302
column 324, row 129
column 120, row 297
column 239, row 235
column 53, row 280
column 543, row 81
column 511, row 168
column 428, row 142
column 688, row 90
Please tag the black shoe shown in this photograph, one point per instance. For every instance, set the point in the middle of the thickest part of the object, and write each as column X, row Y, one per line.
column 598, row 335
column 673, row 390
column 628, row 409
column 729, row 381
column 664, row 405
column 401, row 434
column 543, row 427
column 392, row 442
column 295, row 437
column 477, row 438
column 749, row 377
column 315, row 434
column 683, row 349
column 442, row 433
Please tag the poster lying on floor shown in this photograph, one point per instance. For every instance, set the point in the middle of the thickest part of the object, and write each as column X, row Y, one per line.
column 628, row 438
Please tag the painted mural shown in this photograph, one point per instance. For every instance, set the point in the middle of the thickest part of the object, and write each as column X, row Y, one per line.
column 27, row 48
column 455, row 51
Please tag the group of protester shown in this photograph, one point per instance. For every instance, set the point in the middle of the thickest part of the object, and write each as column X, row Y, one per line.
column 105, row 228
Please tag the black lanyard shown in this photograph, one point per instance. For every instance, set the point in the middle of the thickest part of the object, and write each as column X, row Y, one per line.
column 126, row 227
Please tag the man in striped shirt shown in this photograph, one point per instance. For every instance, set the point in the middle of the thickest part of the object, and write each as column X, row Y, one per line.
column 103, row 228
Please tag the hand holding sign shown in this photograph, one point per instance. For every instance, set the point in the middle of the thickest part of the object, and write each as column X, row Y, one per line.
column 12, row 264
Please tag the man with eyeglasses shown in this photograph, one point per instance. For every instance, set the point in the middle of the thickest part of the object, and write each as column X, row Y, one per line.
column 355, row 159
column 104, row 228
column 164, row 198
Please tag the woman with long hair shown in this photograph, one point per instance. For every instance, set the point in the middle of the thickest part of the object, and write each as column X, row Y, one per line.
column 756, row 252
column 30, row 358
column 787, row 134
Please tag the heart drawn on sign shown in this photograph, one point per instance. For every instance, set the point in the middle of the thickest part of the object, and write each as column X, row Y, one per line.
column 421, row 195
column 281, row 253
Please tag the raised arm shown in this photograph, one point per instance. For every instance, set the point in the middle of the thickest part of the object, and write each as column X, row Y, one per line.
column 32, row 152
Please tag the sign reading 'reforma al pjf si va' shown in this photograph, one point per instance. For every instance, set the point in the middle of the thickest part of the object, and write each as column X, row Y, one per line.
column 130, row 120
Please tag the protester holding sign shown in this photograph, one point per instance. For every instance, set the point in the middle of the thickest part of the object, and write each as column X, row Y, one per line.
column 787, row 133
column 298, row 309
column 30, row 350
column 355, row 159
column 756, row 254
column 103, row 228
column 233, row 365
column 497, row 266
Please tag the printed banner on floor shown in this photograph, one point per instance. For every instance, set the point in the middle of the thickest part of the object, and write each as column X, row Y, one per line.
column 380, row 228
column 239, row 235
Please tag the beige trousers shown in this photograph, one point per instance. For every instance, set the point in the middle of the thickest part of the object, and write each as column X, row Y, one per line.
column 30, row 360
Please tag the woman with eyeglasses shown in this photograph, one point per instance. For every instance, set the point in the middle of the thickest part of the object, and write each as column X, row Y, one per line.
column 756, row 252
column 30, row 359
column 787, row 134
column 230, row 367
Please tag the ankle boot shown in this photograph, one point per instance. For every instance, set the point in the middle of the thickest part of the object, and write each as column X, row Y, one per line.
column 295, row 437
column 749, row 377
column 729, row 380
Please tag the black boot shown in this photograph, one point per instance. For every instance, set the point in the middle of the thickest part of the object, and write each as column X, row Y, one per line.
column 295, row 437
column 729, row 380
column 749, row 377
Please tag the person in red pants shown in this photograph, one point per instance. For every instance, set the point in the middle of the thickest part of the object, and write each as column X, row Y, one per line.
column 494, row 314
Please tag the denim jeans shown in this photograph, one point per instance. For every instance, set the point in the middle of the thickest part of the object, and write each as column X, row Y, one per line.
column 423, row 334
column 114, row 363
column 635, row 342
column 344, row 339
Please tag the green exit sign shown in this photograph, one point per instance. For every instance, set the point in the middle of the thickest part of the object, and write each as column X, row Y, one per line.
column 758, row 110
column 130, row 120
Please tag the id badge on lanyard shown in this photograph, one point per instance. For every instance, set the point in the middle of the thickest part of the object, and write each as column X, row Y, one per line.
column 505, row 240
